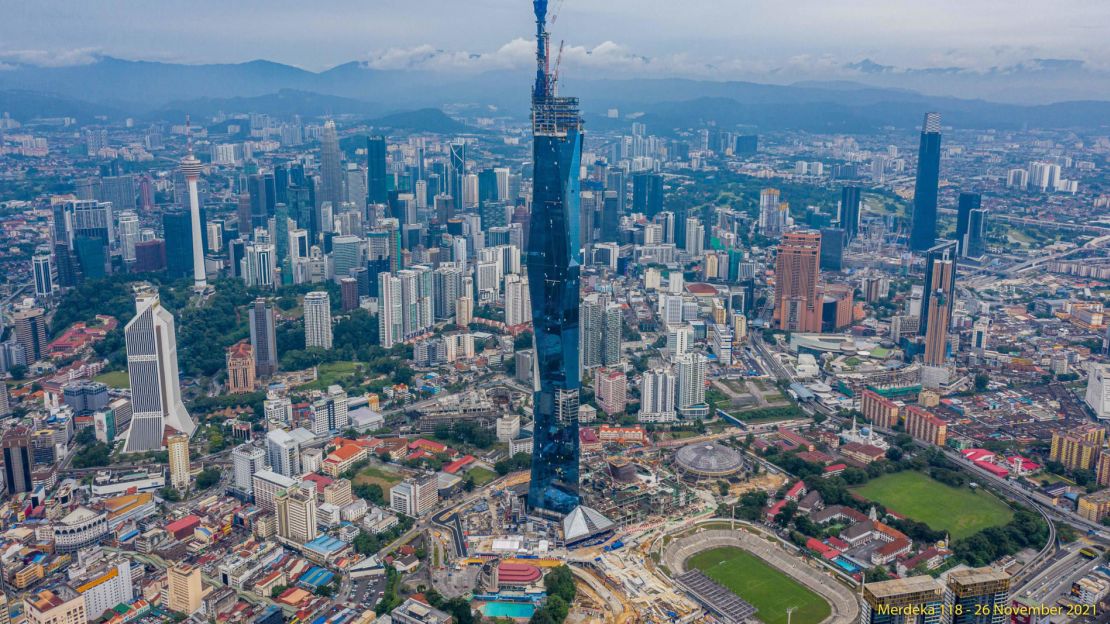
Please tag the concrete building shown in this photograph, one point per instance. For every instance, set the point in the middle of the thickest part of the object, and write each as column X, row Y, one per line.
column 246, row 460
column 155, row 383
column 59, row 606
column 657, row 396
column 317, row 320
column 240, row 368
column 1098, row 390
column 797, row 300
column 184, row 588
column 925, row 426
column 916, row 594
column 881, row 411
column 414, row 497
column 978, row 596
column 612, row 390
column 295, row 509
column 178, row 446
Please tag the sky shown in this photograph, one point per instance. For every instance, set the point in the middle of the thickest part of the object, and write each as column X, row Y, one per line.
column 721, row 39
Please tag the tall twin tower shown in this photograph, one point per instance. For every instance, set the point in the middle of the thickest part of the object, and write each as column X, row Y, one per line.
column 554, row 258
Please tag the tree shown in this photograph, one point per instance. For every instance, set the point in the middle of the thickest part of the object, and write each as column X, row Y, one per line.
column 982, row 380
column 208, row 477
column 86, row 436
column 520, row 461
column 98, row 454
column 460, row 609
column 169, row 494
column 371, row 492
column 560, row 582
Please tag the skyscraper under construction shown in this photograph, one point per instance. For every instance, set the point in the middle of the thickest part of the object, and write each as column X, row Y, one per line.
column 554, row 257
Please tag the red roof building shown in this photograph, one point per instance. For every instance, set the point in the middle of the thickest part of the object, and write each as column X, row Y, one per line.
column 458, row 464
column 993, row 468
column 180, row 529
column 517, row 574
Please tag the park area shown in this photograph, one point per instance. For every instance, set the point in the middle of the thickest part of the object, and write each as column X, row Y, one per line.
column 373, row 475
column 961, row 511
column 770, row 591
column 114, row 379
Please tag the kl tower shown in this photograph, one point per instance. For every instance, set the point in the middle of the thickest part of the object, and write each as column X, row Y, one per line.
column 190, row 166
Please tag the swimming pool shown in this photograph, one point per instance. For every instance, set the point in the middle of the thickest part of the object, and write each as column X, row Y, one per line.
column 521, row 610
column 846, row 565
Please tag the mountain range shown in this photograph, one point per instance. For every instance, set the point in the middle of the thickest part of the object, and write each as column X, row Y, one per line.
column 153, row 90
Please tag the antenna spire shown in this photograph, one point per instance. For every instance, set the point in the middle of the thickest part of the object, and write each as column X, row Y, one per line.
column 188, row 135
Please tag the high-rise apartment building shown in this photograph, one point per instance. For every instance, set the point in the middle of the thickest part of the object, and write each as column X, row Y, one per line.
column 178, row 447
column 1077, row 448
column 263, row 338
column 612, row 390
column 657, row 395
column 283, row 453
column 296, row 515
column 923, row 225
column 940, row 275
column 185, row 588
column 773, row 213
column 925, row 426
column 30, row 332
column 415, row 496
column 880, row 410
column 390, row 311
column 691, row 371
column 883, row 602
column 797, row 269
column 518, row 309
column 1098, row 389
column 938, row 301
column 317, row 320
column 978, row 596
column 329, row 413
column 246, row 460
column 151, row 341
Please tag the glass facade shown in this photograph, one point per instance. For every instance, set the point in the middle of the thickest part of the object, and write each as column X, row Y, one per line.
column 923, row 228
column 554, row 258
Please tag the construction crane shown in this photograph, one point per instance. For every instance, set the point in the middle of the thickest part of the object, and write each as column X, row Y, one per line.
column 558, row 61
column 555, row 11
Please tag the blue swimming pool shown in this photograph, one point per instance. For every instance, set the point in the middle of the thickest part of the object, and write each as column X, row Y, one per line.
column 846, row 565
column 519, row 610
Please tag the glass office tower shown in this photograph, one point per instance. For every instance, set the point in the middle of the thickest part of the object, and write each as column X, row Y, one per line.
column 923, row 227
column 554, row 257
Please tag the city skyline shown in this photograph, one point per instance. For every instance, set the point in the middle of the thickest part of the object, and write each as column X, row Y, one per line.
column 379, row 346
column 899, row 45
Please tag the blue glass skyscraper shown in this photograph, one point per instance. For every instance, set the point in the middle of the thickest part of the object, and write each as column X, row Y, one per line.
column 923, row 226
column 554, row 257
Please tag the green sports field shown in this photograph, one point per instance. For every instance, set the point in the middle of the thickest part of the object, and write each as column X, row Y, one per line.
column 960, row 511
column 767, row 589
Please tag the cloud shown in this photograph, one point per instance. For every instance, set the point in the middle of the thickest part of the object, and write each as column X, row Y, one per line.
column 49, row 58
